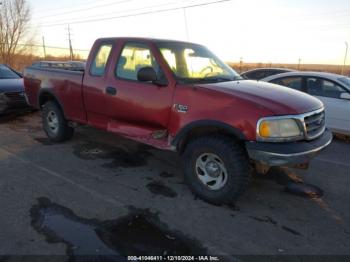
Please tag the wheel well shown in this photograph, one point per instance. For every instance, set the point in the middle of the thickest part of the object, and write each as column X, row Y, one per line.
column 45, row 97
column 205, row 131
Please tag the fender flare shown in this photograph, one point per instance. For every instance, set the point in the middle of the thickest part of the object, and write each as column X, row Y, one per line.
column 51, row 93
column 206, row 123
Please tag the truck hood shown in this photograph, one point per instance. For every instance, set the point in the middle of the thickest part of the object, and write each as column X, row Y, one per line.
column 277, row 99
column 11, row 85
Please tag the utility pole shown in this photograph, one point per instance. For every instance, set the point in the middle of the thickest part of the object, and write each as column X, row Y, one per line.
column 346, row 54
column 186, row 25
column 70, row 44
column 299, row 64
column 44, row 47
column 241, row 64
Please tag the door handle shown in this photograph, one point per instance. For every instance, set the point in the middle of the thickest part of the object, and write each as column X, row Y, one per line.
column 111, row 91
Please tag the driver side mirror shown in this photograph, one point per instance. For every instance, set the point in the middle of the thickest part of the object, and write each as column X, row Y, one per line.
column 147, row 74
column 345, row 96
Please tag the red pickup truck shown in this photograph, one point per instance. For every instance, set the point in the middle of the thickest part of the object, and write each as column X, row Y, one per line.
column 179, row 96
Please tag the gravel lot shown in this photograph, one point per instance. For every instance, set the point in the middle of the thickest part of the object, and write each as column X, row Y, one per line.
column 122, row 197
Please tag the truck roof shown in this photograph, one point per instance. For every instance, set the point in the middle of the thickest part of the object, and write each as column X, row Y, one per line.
column 145, row 39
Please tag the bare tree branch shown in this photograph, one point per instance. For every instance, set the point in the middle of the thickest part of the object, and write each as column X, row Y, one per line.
column 14, row 23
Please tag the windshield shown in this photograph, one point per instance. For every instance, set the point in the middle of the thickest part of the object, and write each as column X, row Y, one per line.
column 192, row 63
column 346, row 81
column 7, row 73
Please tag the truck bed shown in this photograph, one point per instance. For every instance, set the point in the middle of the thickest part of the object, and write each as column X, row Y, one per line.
column 65, row 85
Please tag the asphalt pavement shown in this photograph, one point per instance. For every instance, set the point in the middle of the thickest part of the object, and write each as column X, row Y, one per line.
column 101, row 194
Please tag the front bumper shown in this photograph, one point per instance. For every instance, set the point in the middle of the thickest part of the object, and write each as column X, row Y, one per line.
column 288, row 154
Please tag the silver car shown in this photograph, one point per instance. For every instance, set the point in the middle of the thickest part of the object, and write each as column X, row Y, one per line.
column 332, row 89
column 260, row 73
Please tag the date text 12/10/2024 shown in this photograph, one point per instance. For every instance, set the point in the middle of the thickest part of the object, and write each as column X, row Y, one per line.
column 173, row 258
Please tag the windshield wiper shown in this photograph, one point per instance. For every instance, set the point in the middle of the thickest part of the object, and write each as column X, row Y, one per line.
column 221, row 79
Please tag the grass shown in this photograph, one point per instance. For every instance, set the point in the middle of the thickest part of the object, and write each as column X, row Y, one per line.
column 240, row 68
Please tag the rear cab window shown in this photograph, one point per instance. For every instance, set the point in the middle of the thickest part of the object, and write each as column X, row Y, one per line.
column 98, row 66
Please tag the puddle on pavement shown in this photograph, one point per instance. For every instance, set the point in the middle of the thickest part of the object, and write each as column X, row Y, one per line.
column 304, row 190
column 140, row 233
column 159, row 188
column 233, row 207
column 14, row 122
column 166, row 175
column 20, row 122
column 120, row 157
column 269, row 220
column 293, row 183
column 265, row 220
column 44, row 141
column 14, row 118
column 342, row 138
column 292, row 231
column 282, row 176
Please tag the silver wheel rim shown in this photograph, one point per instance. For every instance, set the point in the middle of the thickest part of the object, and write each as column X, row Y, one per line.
column 211, row 171
column 52, row 122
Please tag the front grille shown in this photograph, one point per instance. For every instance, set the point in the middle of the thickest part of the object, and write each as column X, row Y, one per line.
column 315, row 124
column 16, row 99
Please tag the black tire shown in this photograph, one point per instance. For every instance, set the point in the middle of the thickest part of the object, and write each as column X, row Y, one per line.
column 63, row 132
column 236, row 164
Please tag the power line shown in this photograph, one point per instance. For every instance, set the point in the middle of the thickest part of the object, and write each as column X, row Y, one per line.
column 98, row 18
column 124, row 11
column 86, row 9
column 139, row 14
column 313, row 17
column 320, row 14
column 327, row 26
column 51, row 47
column 64, row 7
column 68, row 9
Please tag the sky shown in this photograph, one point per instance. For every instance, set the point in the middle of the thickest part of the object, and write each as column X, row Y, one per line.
column 268, row 31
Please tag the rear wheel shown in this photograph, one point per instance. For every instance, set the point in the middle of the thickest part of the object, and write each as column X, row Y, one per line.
column 216, row 169
column 55, row 125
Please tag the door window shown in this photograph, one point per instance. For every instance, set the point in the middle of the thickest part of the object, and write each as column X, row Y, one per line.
column 321, row 87
column 134, row 57
column 295, row 82
column 99, row 64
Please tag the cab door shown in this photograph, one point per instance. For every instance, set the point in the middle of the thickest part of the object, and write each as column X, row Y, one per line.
column 140, row 104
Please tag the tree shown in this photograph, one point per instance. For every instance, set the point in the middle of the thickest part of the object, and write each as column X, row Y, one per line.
column 14, row 24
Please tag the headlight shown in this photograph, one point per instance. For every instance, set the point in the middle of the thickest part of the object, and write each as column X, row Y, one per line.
column 279, row 130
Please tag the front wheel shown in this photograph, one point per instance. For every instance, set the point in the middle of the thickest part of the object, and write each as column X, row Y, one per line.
column 216, row 169
column 55, row 125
